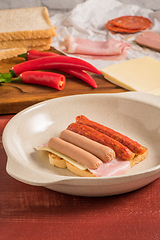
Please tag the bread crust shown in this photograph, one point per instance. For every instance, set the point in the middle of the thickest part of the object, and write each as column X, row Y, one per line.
column 9, row 53
column 19, row 35
column 25, row 43
column 62, row 163
column 39, row 48
column 14, row 52
column 138, row 158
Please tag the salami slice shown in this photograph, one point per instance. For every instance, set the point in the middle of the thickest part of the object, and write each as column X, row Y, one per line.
column 132, row 22
column 109, row 25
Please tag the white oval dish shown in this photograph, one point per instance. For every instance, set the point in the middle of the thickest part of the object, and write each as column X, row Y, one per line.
column 134, row 114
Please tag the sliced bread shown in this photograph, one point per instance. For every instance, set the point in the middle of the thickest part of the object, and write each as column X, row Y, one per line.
column 14, row 52
column 25, row 43
column 25, row 23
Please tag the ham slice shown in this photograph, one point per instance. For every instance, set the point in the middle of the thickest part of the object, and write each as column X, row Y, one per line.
column 106, row 50
column 105, row 58
column 149, row 39
column 115, row 167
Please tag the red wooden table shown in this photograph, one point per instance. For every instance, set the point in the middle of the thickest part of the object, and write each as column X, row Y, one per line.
column 30, row 213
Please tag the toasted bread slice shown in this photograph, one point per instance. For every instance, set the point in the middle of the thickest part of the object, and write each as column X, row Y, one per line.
column 13, row 52
column 138, row 158
column 62, row 163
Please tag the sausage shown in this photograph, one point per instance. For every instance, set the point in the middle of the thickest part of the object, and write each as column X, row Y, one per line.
column 129, row 143
column 120, row 150
column 105, row 153
column 149, row 39
column 74, row 152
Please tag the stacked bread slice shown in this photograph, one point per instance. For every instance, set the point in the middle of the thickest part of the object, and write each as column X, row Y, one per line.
column 24, row 29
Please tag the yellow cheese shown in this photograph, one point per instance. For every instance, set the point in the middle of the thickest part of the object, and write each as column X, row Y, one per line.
column 68, row 159
column 141, row 74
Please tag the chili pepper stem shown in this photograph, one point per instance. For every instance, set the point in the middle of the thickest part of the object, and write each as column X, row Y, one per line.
column 23, row 55
column 17, row 79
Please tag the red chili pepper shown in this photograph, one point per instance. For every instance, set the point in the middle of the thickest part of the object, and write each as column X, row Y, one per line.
column 82, row 75
column 53, row 62
column 48, row 79
column 34, row 54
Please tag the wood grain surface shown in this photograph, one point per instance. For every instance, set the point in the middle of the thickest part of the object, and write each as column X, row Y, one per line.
column 17, row 95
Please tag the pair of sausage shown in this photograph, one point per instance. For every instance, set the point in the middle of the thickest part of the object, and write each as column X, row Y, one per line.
column 120, row 150
column 89, row 153
column 134, row 146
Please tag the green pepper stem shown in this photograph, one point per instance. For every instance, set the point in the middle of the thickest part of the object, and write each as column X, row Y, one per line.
column 12, row 73
column 17, row 79
column 23, row 55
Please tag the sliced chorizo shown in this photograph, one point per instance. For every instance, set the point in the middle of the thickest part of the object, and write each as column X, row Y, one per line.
column 132, row 22
column 109, row 25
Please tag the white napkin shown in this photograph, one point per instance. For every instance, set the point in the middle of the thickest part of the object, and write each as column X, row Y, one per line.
column 88, row 19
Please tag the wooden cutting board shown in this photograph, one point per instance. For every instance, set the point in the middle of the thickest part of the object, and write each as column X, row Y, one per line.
column 17, row 96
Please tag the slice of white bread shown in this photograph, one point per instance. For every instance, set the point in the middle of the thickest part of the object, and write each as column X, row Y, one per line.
column 63, row 163
column 14, row 52
column 9, row 53
column 25, row 43
column 25, row 23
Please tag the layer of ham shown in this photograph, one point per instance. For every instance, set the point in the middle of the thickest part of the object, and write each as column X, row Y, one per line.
column 112, row 50
column 113, row 168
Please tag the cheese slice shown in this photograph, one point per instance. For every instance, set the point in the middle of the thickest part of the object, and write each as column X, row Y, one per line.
column 68, row 159
column 140, row 74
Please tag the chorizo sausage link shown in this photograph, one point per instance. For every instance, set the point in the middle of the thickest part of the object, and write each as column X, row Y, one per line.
column 129, row 143
column 120, row 150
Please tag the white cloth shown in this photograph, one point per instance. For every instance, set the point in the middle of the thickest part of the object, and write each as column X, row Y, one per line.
column 88, row 19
